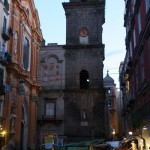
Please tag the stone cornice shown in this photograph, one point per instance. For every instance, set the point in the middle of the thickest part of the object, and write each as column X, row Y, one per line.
column 83, row 46
column 81, row 4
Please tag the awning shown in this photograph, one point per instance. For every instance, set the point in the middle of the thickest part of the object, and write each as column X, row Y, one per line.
column 85, row 143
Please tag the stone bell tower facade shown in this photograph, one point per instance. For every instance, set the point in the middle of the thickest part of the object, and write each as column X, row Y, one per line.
column 84, row 55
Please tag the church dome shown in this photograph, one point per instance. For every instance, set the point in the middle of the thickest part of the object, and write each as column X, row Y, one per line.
column 108, row 80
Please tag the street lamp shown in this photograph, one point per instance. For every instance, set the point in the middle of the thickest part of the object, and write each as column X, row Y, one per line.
column 130, row 132
column 113, row 133
column 144, row 128
column 3, row 133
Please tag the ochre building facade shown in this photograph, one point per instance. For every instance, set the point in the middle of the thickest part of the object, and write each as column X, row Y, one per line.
column 20, row 104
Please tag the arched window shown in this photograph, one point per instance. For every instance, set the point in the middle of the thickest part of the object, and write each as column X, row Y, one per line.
column 26, row 47
column 84, row 79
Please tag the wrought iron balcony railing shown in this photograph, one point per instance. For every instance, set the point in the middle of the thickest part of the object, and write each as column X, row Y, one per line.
column 5, row 89
column 5, row 58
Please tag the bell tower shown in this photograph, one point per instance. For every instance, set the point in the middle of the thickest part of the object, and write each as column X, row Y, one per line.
column 87, row 16
column 84, row 55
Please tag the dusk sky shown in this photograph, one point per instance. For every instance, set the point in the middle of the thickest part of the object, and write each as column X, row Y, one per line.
column 53, row 25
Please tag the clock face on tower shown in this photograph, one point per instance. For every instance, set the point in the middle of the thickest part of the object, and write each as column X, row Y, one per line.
column 83, row 32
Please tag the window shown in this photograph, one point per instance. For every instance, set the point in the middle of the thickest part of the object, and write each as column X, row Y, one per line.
column 4, row 25
column 139, row 22
column 110, row 92
column 133, row 4
column 134, row 38
column 6, row 4
column 26, row 54
column 142, row 66
column 130, row 49
column 1, row 107
column 15, row 42
column 147, row 4
column 50, row 109
column 84, row 79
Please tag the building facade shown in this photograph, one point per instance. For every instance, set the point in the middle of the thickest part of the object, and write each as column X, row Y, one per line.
column 51, row 97
column 20, row 97
column 135, row 77
column 120, row 104
column 74, row 76
column 111, row 108
column 5, row 59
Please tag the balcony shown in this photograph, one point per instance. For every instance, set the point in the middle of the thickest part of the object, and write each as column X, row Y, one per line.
column 5, row 58
column 5, row 89
column 46, row 118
